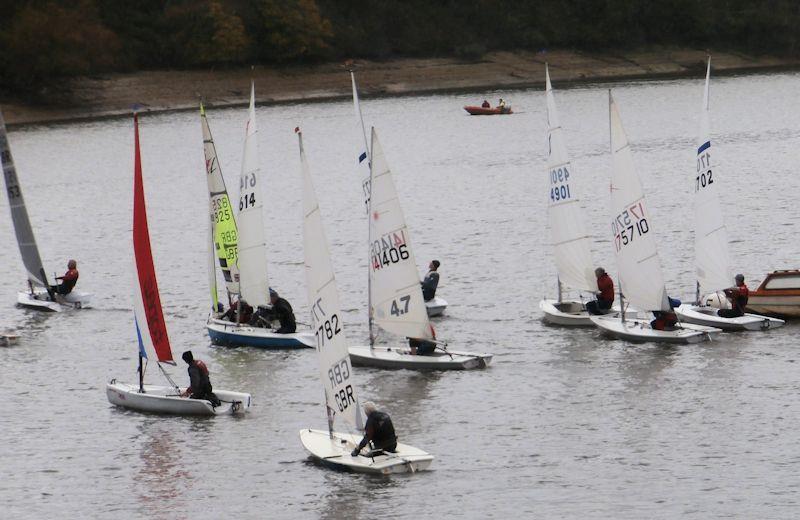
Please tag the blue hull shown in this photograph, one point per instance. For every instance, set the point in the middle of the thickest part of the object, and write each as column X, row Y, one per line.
column 231, row 339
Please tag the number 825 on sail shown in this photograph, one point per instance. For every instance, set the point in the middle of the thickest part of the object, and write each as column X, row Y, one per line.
column 628, row 225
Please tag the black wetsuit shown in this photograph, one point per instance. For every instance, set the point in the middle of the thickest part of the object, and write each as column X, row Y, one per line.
column 429, row 285
column 200, row 384
column 424, row 348
column 380, row 431
column 282, row 311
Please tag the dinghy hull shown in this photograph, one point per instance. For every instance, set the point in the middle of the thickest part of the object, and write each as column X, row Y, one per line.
column 334, row 451
column 708, row 317
column 165, row 400
column 41, row 301
column 230, row 334
column 436, row 306
column 640, row 331
column 401, row 358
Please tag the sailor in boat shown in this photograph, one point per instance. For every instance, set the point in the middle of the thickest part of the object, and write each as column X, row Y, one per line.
column 431, row 281
column 378, row 432
column 605, row 294
column 738, row 296
column 421, row 347
column 486, row 104
column 281, row 311
column 232, row 313
column 666, row 320
column 69, row 279
column 199, row 382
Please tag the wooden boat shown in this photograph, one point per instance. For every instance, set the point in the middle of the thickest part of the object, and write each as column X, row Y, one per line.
column 778, row 295
column 37, row 296
column 638, row 263
column 151, row 329
column 241, row 252
column 341, row 395
column 482, row 111
column 711, row 255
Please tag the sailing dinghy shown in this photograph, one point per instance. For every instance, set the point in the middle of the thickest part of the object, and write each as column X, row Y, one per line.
column 395, row 296
column 568, row 234
column 151, row 330
column 437, row 305
column 712, row 259
column 242, row 251
column 638, row 264
column 341, row 398
column 38, row 296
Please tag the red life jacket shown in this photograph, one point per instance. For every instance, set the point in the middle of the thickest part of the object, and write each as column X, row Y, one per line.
column 606, row 286
column 202, row 366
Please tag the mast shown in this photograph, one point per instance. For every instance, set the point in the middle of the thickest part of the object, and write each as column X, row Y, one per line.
column 141, row 375
column 367, row 187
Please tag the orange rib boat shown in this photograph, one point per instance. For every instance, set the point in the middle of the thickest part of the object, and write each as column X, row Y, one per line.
column 481, row 111
column 778, row 295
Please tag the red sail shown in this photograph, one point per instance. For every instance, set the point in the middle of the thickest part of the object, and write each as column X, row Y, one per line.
column 150, row 299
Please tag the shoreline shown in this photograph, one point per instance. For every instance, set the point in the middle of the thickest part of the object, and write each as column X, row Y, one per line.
column 111, row 96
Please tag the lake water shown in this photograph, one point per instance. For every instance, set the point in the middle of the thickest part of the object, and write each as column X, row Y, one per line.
column 564, row 424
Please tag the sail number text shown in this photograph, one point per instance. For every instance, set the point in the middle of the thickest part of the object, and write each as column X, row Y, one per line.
column 389, row 249
column 704, row 177
column 559, row 184
column 628, row 225
column 222, row 209
column 399, row 310
column 247, row 199
column 327, row 328
column 339, row 375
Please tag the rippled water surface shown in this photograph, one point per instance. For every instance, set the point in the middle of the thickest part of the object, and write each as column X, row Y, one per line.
column 563, row 424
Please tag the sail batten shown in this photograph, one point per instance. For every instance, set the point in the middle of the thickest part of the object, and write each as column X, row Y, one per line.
column 568, row 235
column 19, row 213
column 341, row 397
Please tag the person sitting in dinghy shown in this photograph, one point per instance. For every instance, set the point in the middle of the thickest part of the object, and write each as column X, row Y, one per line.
column 379, row 431
column 282, row 311
column 199, row 382
column 431, row 281
column 69, row 279
column 738, row 296
column 486, row 104
column 231, row 314
column 605, row 294
column 666, row 320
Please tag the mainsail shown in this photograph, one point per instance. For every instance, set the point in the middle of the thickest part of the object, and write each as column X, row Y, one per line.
column 150, row 326
column 712, row 259
column 223, row 223
column 323, row 298
column 397, row 305
column 567, row 230
column 640, row 277
column 253, row 281
column 363, row 152
column 19, row 215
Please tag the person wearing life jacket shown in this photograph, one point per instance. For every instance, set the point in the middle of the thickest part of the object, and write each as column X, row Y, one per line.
column 605, row 294
column 431, row 281
column 379, row 431
column 199, row 382
column 231, row 314
column 666, row 320
column 69, row 279
column 486, row 104
column 282, row 311
column 738, row 296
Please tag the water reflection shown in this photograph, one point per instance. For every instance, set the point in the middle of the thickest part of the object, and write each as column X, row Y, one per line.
column 163, row 477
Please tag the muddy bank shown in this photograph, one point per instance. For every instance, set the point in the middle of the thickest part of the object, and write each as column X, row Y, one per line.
column 113, row 95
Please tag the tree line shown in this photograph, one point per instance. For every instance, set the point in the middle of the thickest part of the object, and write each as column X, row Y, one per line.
column 44, row 41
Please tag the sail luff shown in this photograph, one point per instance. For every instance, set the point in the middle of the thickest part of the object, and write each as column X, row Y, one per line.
column 638, row 264
column 335, row 368
column 149, row 318
column 568, row 235
column 397, row 305
column 19, row 214
column 712, row 258
column 224, row 231
column 253, row 279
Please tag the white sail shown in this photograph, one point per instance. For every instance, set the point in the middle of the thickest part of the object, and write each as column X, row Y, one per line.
column 640, row 277
column 712, row 259
column 396, row 295
column 19, row 214
column 253, row 281
column 223, row 223
column 323, row 298
column 363, row 151
column 567, row 229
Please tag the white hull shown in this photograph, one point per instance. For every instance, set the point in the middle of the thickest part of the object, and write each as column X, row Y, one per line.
column 336, row 451
column 8, row 339
column 40, row 300
column 707, row 316
column 639, row 330
column 165, row 400
column 436, row 306
column 572, row 313
column 223, row 332
column 401, row 358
